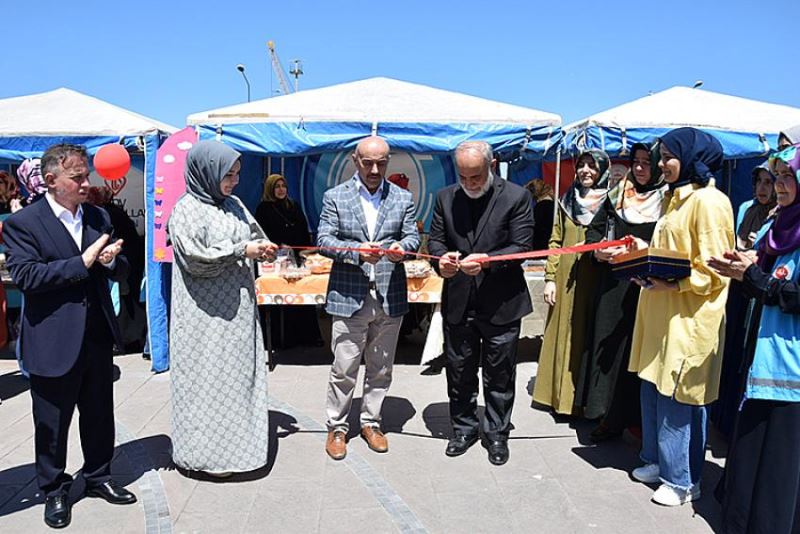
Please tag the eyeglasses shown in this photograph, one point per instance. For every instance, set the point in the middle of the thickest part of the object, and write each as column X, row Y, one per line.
column 369, row 163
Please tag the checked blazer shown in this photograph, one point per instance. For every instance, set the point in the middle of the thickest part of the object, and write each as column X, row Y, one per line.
column 342, row 224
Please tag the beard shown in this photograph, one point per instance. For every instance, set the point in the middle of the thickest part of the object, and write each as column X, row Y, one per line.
column 474, row 195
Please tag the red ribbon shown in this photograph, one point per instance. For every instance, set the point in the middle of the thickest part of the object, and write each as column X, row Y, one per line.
column 577, row 249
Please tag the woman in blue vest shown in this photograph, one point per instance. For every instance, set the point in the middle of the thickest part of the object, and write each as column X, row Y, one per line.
column 762, row 482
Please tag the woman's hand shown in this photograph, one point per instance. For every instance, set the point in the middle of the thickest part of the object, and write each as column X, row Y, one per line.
column 261, row 250
column 655, row 284
column 550, row 292
column 637, row 243
column 607, row 254
column 733, row 264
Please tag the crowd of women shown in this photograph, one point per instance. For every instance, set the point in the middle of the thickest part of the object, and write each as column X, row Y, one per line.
column 653, row 355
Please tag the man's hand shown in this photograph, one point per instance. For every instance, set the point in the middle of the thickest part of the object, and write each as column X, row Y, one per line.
column 733, row 265
column 448, row 264
column 110, row 252
column 93, row 251
column 607, row 254
column 470, row 266
column 370, row 257
column 550, row 292
column 395, row 252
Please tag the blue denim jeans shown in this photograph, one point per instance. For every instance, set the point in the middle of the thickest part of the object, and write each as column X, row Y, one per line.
column 673, row 436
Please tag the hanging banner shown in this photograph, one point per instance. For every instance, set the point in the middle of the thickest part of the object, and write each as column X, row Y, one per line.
column 169, row 186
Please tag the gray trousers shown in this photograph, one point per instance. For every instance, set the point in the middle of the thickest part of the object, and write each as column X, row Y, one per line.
column 374, row 334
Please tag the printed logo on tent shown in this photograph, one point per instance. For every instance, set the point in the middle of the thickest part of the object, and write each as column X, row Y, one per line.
column 424, row 174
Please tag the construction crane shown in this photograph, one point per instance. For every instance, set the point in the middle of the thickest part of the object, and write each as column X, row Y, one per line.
column 278, row 69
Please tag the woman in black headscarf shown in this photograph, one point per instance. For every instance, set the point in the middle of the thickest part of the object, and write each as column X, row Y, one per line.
column 606, row 389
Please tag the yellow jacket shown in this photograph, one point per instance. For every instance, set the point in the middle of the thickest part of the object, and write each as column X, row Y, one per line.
column 679, row 335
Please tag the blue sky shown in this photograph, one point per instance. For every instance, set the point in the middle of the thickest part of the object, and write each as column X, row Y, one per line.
column 169, row 59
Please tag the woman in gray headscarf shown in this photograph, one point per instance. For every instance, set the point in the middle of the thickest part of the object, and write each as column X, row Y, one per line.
column 218, row 362
column 789, row 137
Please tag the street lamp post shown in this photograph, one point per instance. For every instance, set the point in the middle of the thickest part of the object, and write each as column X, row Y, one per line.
column 240, row 68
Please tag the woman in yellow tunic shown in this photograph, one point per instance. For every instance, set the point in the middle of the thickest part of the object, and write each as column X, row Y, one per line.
column 570, row 284
column 680, row 326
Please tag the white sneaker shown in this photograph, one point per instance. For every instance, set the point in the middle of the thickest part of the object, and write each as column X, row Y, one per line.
column 648, row 473
column 669, row 496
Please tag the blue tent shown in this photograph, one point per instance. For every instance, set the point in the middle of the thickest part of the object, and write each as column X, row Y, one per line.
column 307, row 137
column 747, row 129
column 30, row 124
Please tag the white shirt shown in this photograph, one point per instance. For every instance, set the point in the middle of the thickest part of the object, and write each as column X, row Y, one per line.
column 73, row 223
column 371, row 204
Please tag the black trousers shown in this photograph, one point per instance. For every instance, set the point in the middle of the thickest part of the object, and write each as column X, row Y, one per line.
column 467, row 345
column 89, row 386
column 762, row 478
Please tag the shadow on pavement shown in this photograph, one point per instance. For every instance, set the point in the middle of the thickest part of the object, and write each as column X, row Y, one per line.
column 281, row 425
column 131, row 461
column 12, row 384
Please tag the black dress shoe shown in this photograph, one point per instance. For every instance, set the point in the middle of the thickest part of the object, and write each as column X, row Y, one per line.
column 498, row 451
column 57, row 511
column 112, row 492
column 460, row 444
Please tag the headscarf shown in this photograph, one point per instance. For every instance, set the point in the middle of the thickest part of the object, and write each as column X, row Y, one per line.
column 637, row 203
column 206, row 166
column 792, row 134
column 753, row 219
column 30, row 176
column 540, row 190
column 700, row 155
column 269, row 190
column 581, row 203
column 784, row 234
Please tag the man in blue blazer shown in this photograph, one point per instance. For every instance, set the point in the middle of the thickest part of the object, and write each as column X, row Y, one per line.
column 60, row 257
column 367, row 293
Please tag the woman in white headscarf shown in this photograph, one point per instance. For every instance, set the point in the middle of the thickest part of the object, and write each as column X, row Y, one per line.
column 570, row 285
column 218, row 362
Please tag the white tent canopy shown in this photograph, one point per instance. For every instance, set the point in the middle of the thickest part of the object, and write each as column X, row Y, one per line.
column 64, row 112
column 377, row 100
column 684, row 106
column 743, row 126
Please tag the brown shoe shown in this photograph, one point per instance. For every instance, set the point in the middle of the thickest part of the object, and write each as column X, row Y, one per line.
column 375, row 438
column 336, row 445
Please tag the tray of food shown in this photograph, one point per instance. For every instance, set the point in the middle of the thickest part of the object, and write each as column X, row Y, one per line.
column 417, row 269
column 316, row 263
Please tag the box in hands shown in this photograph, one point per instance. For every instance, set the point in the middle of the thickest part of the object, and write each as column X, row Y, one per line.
column 652, row 263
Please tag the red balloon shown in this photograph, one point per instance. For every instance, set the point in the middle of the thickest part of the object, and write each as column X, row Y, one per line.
column 112, row 162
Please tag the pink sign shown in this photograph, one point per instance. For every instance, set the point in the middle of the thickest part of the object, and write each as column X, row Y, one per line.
column 169, row 186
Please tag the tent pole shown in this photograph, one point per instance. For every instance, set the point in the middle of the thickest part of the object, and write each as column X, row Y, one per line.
column 557, row 180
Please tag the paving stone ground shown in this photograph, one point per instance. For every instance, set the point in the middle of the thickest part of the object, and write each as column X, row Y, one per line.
column 555, row 481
